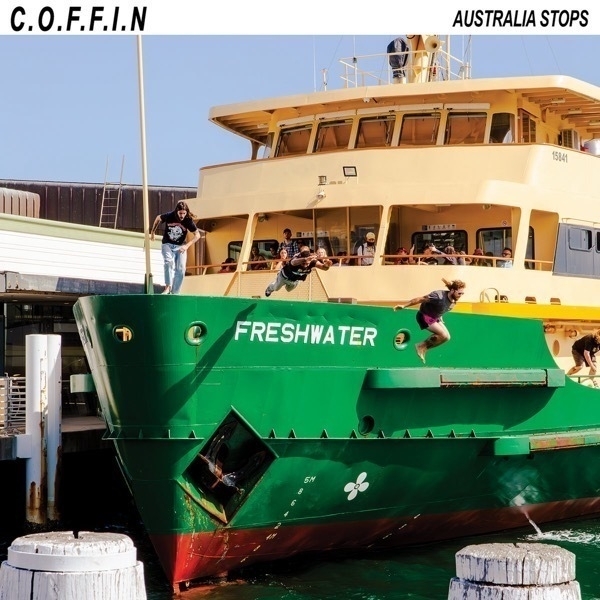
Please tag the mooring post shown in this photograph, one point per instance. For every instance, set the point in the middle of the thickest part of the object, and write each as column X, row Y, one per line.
column 36, row 394
column 53, row 423
column 41, row 443
column 68, row 566
column 514, row 572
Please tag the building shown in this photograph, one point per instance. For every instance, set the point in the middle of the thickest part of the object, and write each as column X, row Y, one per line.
column 53, row 250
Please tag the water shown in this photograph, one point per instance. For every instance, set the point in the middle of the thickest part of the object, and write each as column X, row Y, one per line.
column 96, row 499
column 420, row 573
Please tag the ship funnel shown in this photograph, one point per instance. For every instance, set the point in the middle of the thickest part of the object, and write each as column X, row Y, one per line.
column 432, row 43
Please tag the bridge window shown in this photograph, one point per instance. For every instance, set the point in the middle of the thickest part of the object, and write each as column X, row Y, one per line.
column 528, row 127
column 502, row 128
column 293, row 141
column 465, row 128
column 419, row 130
column 333, row 135
column 375, row 132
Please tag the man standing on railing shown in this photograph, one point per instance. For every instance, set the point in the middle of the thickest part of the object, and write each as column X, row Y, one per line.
column 584, row 353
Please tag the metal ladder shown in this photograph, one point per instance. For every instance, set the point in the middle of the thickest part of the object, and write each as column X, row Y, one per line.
column 111, row 198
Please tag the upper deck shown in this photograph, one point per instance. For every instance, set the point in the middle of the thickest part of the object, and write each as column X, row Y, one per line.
column 370, row 85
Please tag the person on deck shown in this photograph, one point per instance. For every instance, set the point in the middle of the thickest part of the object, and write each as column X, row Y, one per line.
column 297, row 269
column 431, row 309
column 174, row 247
column 288, row 243
column 584, row 353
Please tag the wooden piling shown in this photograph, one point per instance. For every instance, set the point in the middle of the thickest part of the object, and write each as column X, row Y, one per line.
column 67, row 566
column 514, row 572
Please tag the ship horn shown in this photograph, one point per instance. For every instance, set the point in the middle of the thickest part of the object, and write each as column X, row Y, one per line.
column 432, row 44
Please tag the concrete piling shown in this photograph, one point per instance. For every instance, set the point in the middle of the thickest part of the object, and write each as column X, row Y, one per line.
column 68, row 566
column 523, row 571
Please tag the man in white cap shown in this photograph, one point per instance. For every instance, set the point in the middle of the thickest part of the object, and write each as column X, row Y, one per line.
column 366, row 251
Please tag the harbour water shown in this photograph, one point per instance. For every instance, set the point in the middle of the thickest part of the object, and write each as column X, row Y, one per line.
column 416, row 574
column 95, row 498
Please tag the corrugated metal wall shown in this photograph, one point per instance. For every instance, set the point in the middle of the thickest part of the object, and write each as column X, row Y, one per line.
column 18, row 202
column 81, row 202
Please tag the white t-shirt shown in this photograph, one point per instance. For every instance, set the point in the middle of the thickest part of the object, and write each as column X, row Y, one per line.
column 368, row 251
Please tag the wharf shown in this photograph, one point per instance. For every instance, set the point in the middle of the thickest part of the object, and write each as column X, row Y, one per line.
column 79, row 434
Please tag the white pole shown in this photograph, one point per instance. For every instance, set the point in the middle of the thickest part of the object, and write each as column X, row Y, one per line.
column 53, row 427
column 36, row 394
column 149, row 288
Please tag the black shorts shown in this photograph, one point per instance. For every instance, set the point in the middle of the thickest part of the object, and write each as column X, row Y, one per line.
column 580, row 359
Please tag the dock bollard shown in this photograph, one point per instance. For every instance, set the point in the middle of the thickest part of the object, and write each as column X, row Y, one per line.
column 514, row 572
column 58, row 565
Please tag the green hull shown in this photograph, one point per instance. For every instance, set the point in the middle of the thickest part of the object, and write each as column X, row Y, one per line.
column 251, row 430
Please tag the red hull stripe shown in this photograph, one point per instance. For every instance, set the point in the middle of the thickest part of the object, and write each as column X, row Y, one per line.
column 208, row 554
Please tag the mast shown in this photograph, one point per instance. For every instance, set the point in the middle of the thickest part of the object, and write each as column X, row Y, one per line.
column 148, row 286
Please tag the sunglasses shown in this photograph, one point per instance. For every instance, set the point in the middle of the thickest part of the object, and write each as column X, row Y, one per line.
column 506, row 254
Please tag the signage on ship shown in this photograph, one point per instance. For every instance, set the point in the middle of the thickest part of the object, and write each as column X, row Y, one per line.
column 274, row 332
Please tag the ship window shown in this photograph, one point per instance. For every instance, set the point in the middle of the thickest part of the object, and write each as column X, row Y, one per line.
column 375, row 132
column 457, row 238
column 502, row 128
column 419, row 130
column 293, row 141
column 528, row 127
column 333, row 135
column 580, row 239
column 465, row 128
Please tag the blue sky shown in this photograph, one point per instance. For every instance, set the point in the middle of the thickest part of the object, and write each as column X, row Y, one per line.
column 69, row 103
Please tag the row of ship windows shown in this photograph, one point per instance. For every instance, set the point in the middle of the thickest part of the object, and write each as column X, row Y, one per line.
column 419, row 129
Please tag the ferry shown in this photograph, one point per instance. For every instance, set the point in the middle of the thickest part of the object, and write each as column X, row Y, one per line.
column 253, row 428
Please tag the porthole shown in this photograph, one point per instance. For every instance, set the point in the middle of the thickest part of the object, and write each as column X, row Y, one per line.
column 556, row 347
column 123, row 333
column 366, row 425
column 401, row 339
column 195, row 333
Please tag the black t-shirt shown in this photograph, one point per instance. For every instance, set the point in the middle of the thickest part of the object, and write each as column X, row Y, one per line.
column 297, row 272
column 587, row 342
column 437, row 303
column 176, row 230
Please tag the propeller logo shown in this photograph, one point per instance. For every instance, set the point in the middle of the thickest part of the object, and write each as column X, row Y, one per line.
column 360, row 486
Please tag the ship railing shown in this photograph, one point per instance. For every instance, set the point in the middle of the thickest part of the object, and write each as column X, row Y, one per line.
column 375, row 69
column 13, row 405
column 594, row 380
column 388, row 259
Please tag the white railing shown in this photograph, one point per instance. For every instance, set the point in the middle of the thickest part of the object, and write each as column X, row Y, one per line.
column 13, row 406
column 375, row 69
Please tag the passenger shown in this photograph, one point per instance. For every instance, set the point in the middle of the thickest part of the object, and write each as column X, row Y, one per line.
column 174, row 247
column 288, row 243
column 404, row 256
column 228, row 266
column 429, row 255
column 366, row 251
column 584, row 353
column 280, row 260
column 489, row 260
column 463, row 259
column 478, row 262
column 507, row 263
column 255, row 256
column 342, row 259
column 297, row 269
column 431, row 309
column 450, row 256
